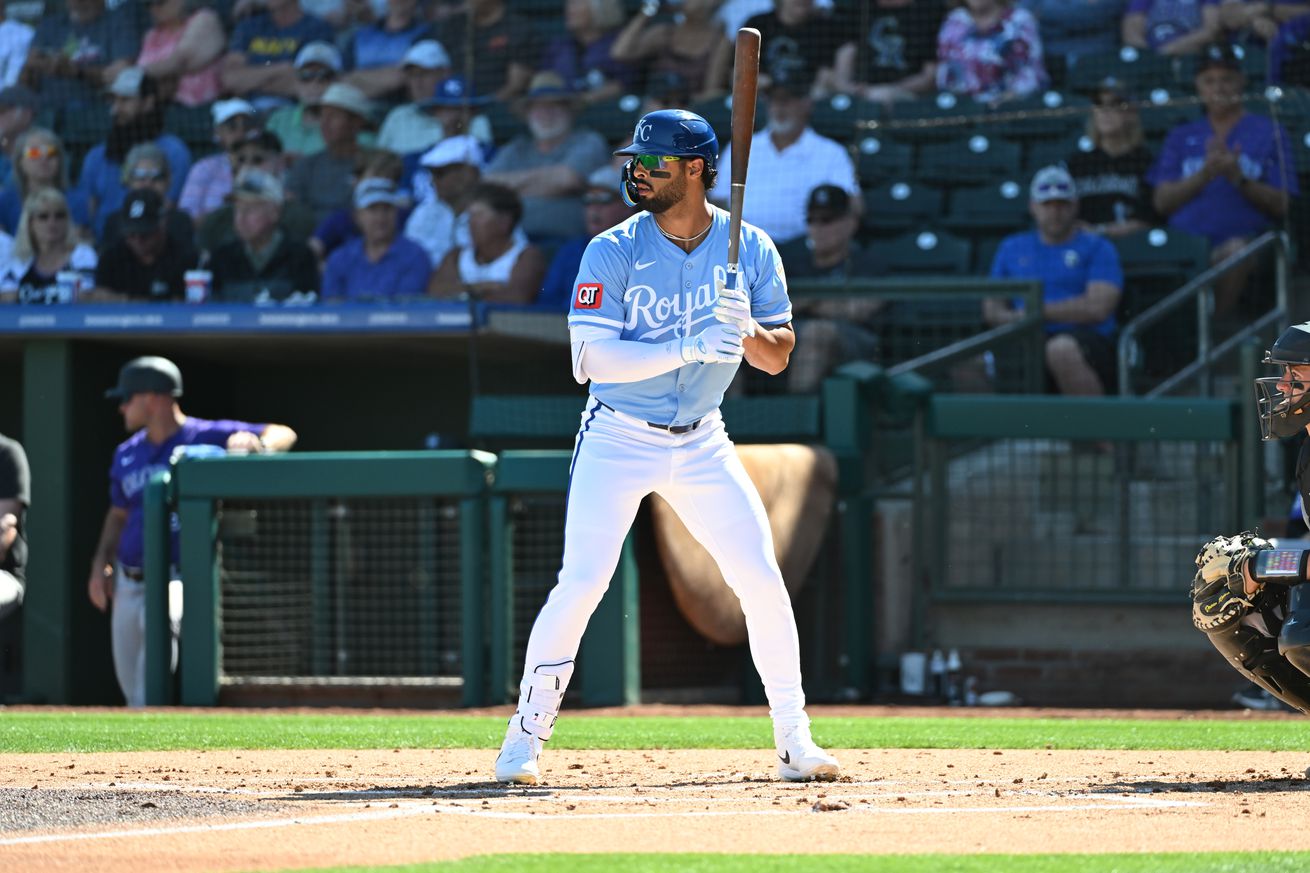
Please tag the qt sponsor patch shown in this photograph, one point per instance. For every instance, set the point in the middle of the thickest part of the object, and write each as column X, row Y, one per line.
column 588, row 296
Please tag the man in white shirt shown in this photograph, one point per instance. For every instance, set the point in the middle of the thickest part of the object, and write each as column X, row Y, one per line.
column 437, row 224
column 789, row 160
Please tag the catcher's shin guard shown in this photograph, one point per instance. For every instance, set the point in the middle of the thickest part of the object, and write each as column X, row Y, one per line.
column 1256, row 657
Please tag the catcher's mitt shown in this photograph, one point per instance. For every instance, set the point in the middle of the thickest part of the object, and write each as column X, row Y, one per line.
column 1219, row 597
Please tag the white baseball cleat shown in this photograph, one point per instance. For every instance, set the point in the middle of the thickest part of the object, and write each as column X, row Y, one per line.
column 799, row 758
column 518, row 757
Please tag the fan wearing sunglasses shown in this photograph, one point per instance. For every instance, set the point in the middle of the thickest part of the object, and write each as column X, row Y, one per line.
column 146, row 166
column 46, row 244
column 39, row 162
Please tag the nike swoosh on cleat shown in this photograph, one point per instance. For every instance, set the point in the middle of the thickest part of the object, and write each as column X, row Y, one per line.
column 640, row 266
column 785, row 758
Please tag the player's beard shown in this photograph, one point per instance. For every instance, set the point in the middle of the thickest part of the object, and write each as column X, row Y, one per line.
column 671, row 195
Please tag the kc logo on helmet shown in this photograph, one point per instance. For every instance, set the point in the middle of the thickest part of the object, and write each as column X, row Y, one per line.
column 588, row 296
column 642, row 133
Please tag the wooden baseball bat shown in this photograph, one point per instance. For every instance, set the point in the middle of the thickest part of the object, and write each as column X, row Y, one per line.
column 745, row 83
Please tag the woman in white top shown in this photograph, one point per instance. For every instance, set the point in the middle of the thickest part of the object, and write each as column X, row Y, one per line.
column 500, row 266
column 46, row 245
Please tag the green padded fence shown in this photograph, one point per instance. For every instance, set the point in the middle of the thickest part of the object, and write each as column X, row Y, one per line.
column 1066, row 499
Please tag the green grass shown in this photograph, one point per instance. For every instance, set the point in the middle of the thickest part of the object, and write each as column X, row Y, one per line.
column 1191, row 862
column 158, row 731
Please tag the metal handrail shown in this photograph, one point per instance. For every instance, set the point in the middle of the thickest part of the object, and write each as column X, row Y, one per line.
column 1199, row 291
column 970, row 346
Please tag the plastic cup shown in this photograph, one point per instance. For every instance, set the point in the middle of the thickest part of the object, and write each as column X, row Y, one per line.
column 198, row 283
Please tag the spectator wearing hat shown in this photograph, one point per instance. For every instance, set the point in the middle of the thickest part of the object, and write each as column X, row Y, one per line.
column 503, row 49
column 76, row 53
column 1226, row 176
column 145, row 266
column 147, row 167
column 549, row 166
column 137, row 116
column 318, row 66
column 45, row 246
column 446, row 110
column 897, row 57
column 1114, row 198
column 692, row 45
column 583, row 57
column 260, row 150
column 1170, row 27
column 990, row 50
column 454, row 167
column 800, row 34
column 259, row 64
column 263, row 263
column 40, row 161
column 498, row 265
column 376, row 53
column 833, row 331
column 210, row 180
column 603, row 208
column 183, row 51
column 322, row 181
column 407, row 128
column 17, row 109
column 380, row 264
column 15, row 42
column 1081, row 285
column 339, row 227
column 789, row 159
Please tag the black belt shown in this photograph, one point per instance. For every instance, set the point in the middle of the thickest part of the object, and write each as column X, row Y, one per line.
column 671, row 428
column 134, row 573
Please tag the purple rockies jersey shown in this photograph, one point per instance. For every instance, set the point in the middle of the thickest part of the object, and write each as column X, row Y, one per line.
column 137, row 459
column 1220, row 212
column 634, row 284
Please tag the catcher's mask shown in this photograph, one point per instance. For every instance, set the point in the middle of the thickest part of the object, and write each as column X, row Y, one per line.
column 670, row 134
column 1282, row 414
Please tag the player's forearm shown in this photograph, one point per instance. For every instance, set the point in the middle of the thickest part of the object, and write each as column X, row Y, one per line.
column 110, row 533
column 1268, row 199
column 770, row 350
column 617, row 360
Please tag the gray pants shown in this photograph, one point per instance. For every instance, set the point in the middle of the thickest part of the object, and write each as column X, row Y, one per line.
column 128, row 632
column 11, row 593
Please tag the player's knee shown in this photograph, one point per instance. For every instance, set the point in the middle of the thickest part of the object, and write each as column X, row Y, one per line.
column 1063, row 351
column 1255, row 656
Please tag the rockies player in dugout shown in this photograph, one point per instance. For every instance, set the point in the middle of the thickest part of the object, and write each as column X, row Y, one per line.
column 659, row 336
column 1247, row 596
column 147, row 393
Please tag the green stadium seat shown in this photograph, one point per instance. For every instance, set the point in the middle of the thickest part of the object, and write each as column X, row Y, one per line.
column 1144, row 69
column 879, row 159
column 838, row 116
column 996, row 208
column 1050, row 115
column 976, row 158
column 1044, row 153
column 613, row 119
column 1165, row 111
column 900, row 206
column 933, row 119
column 85, row 127
column 984, row 252
column 1255, row 65
column 923, row 252
column 1163, row 253
column 193, row 125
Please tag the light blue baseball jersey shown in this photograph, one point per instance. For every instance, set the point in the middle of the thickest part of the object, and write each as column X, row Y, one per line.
column 635, row 284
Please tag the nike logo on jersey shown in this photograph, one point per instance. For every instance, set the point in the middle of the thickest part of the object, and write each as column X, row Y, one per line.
column 640, row 266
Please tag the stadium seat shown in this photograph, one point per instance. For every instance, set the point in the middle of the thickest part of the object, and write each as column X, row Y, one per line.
column 718, row 112
column 997, row 208
column 1044, row 153
column 1165, row 111
column 923, row 252
column 879, row 159
column 1050, row 115
column 86, row 127
column 1255, row 66
column 933, row 119
column 900, row 206
column 505, row 123
column 1144, row 69
column 1163, row 252
column 976, row 158
column 837, row 117
column 984, row 252
column 193, row 125
column 613, row 119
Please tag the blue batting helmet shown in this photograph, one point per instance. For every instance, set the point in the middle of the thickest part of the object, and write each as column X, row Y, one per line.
column 672, row 132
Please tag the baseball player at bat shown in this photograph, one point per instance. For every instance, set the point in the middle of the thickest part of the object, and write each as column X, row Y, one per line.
column 1249, row 597
column 658, row 334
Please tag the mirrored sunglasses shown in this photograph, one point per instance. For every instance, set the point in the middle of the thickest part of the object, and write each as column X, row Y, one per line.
column 653, row 162
column 37, row 151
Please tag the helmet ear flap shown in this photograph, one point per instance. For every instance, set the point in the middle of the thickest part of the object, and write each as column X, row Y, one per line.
column 628, row 187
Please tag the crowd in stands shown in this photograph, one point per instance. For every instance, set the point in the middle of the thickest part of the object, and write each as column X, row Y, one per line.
column 325, row 150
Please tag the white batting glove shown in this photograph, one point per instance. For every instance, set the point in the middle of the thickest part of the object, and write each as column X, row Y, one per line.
column 717, row 344
column 732, row 306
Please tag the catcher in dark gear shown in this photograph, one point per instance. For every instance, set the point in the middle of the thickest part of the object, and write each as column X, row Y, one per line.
column 1247, row 596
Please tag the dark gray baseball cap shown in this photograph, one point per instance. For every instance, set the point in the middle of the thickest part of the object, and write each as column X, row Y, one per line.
column 149, row 374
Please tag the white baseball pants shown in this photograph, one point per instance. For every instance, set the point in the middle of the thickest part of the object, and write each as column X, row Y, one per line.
column 617, row 461
column 128, row 634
